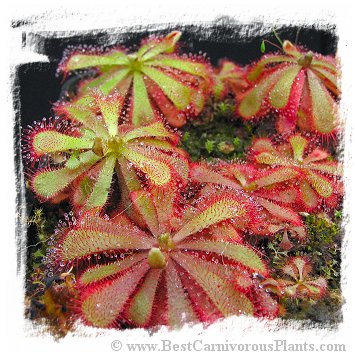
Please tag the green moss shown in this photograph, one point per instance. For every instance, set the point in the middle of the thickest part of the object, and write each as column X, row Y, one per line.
column 218, row 135
column 39, row 222
column 324, row 246
column 277, row 255
column 327, row 310
column 41, row 225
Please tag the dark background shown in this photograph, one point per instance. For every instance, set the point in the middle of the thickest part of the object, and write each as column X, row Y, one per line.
column 39, row 86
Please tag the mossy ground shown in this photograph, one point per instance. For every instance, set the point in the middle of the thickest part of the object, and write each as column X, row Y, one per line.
column 218, row 135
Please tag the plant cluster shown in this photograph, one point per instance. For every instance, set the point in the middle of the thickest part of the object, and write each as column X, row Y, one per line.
column 157, row 239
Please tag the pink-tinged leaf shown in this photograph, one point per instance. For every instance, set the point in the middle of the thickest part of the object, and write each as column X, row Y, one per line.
column 227, row 298
column 288, row 195
column 121, row 219
column 304, row 114
column 157, row 171
column 142, row 111
column 285, row 242
column 82, row 189
column 144, row 203
column 329, row 79
column 308, row 196
column 262, row 144
column 295, row 268
column 159, row 144
column 110, row 108
column 322, row 185
column 238, row 253
column 272, row 285
column 283, row 213
column 154, row 130
column 280, row 94
column 189, row 66
column 202, row 174
column 271, row 159
column 82, row 61
column 165, row 45
column 316, row 288
column 103, row 305
column 173, row 115
column 164, row 204
column 291, row 49
column 48, row 183
column 102, row 272
column 323, row 106
column 299, row 232
column 51, row 141
column 256, row 71
column 118, row 80
column 204, row 308
column 241, row 280
column 298, row 144
column 101, row 184
column 197, row 100
column 129, row 177
column 275, row 176
column 91, row 221
column 266, row 306
column 291, row 271
column 141, row 307
column 324, row 63
column 180, row 309
column 303, row 267
column 239, row 277
column 252, row 101
column 128, row 182
column 178, row 93
column 286, row 121
column 216, row 210
column 230, row 78
column 180, row 165
column 224, row 233
column 328, row 168
column 176, row 161
column 101, row 236
column 316, row 155
column 81, row 111
column 239, row 174
column 80, row 244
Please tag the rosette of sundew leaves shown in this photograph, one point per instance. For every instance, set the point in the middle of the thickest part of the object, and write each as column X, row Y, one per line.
column 97, row 146
column 168, row 274
column 153, row 78
column 298, row 282
column 269, row 192
column 229, row 78
column 300, row 86
column 318, row 174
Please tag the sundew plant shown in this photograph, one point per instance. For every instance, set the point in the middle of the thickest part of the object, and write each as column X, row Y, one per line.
column 168, row 186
